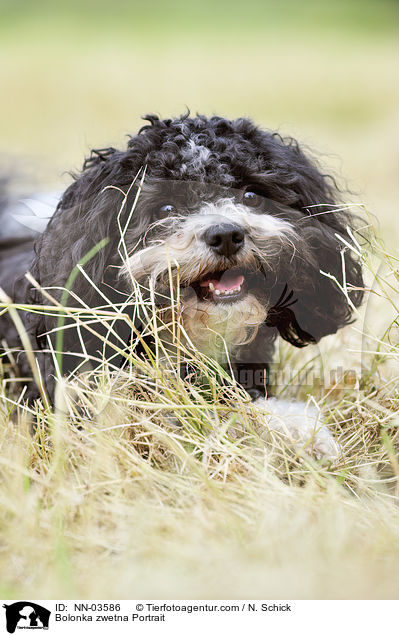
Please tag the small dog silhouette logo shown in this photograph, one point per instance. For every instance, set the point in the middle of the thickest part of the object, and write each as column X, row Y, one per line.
column 26, row 615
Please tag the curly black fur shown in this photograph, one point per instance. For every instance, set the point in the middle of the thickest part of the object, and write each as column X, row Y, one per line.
column 306, row 305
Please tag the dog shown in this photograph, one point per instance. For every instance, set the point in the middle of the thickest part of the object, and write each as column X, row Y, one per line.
column 235, row 224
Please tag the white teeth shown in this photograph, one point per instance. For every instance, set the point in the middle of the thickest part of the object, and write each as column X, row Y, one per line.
column 225, row 292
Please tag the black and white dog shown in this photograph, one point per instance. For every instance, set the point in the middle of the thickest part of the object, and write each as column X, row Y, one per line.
column 235, row 223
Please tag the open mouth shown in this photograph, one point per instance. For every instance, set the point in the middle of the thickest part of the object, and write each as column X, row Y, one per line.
column 222, row 286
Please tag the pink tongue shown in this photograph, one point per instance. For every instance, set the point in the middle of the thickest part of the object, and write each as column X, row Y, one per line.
column 227, row 281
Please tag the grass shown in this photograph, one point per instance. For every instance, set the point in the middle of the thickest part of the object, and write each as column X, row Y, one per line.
column 138, row 484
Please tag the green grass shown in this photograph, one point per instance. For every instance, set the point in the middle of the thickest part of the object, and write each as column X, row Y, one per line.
column 350, row 16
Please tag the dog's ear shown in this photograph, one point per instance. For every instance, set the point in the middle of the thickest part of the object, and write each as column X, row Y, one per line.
column 335, row 283
column 88, row 214
column 85, row 229
column 323, row 292
column 317, row 306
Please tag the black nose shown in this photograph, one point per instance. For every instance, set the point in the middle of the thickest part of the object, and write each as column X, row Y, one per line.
column 225, row 239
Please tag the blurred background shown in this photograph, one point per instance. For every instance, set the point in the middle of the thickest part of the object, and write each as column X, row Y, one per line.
column 79, row 74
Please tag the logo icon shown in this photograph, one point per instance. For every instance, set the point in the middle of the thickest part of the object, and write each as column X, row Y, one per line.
column 26, row 615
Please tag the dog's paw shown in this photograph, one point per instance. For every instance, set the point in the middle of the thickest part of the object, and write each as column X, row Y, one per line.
column 302, row 424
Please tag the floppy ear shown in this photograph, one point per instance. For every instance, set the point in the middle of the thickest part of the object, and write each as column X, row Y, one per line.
column 312, row 305
column 323, row 307
column 86, row 216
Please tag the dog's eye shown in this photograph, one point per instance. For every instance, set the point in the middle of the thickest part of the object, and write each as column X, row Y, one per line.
column 166, row 210
column 251, row 199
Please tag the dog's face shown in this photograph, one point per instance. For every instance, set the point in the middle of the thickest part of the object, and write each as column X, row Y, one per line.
column 224, row 253
column 234, row 223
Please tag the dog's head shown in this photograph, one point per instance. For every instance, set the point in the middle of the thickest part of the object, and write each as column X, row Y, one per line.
column 239, row 222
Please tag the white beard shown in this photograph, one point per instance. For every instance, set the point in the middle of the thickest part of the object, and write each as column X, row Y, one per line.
column 217, row 330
